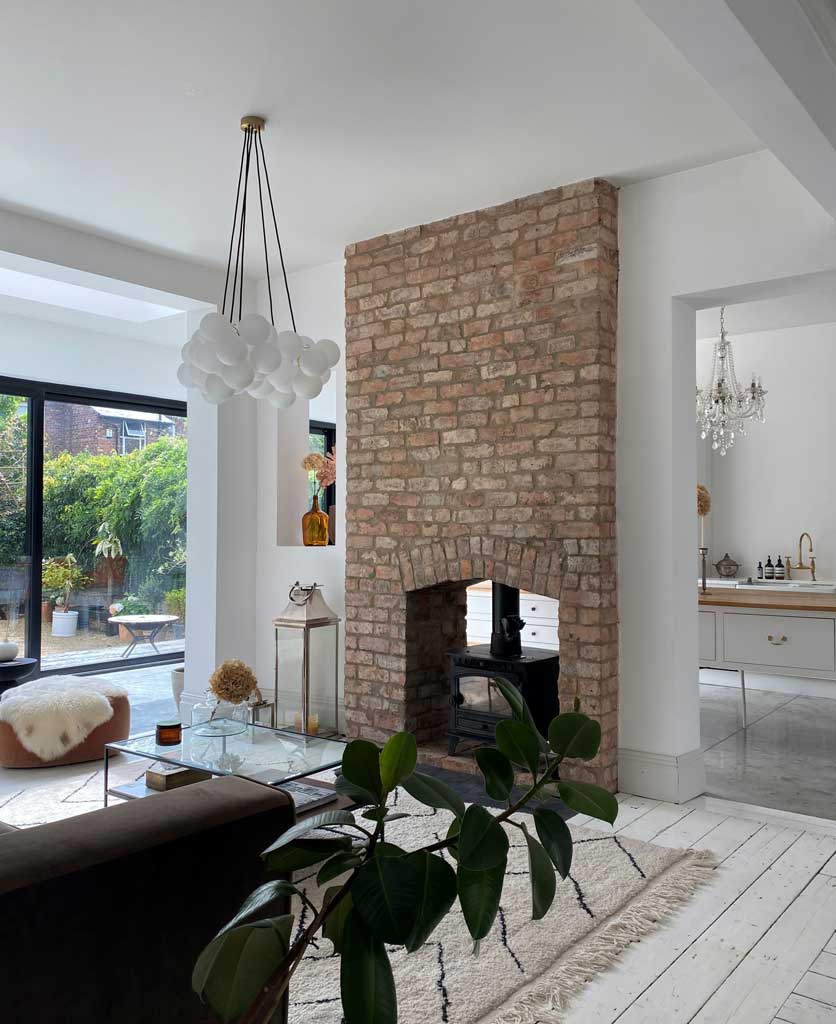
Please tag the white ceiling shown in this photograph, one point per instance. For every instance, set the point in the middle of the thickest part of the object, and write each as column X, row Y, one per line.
column 123, row 118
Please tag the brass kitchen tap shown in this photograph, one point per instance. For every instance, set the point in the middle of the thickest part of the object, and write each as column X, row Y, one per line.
column 811, row 568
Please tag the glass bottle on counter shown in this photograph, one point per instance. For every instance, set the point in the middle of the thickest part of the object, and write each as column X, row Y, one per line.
column 760, row 570
column 779, row 569
column 769, row 569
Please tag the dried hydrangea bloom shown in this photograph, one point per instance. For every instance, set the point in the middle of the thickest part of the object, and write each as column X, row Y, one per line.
column 313, row 462
column 233, row 681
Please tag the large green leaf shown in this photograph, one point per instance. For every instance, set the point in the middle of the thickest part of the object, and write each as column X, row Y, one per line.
column 437, row 895
column 518, row 742
column 498, row 772
column 360, row 796
column 387, row 893
column 309, row 825
column 366, row 983
column 543, row 883
column 479, row 895
column 257, row 903
column 334, row 926
column 434, row 793
column 482, row 840
column 303, row 853
column 397, row 760
column 555, row 836
column 338, row 865
column 232, row 969
column 585, row 798
column 519, row 708
column 361, row 766
column 575, row 735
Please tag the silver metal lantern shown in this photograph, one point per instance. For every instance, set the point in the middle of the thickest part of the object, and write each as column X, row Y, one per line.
column 307, row 663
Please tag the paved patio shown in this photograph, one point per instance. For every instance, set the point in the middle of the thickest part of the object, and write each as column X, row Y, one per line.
column 73, row 659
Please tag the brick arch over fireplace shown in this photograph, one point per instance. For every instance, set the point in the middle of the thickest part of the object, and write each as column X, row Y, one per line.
column 480, row 441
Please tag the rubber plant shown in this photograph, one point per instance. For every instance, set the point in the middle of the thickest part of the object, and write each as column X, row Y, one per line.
column 384, row 895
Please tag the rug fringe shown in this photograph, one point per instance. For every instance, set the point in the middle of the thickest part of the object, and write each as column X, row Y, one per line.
column 562, row 982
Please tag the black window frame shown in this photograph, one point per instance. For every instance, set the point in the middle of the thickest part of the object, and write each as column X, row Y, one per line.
column 329, row 432
column 37, row 394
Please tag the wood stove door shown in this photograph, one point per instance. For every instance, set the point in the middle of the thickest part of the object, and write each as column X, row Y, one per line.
column 477, row 703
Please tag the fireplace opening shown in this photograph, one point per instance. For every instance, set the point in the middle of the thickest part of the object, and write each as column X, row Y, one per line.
column 477, row 704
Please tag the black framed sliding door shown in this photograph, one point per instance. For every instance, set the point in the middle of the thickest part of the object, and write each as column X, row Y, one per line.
column 93, row 530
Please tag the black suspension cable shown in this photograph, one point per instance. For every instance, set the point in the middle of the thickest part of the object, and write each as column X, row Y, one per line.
column 244, row 230
column 234, row 222
column 242, row 227
column 276, row 226
column 264, row 236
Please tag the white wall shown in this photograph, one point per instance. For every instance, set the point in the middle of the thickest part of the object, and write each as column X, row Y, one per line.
column 695, row 239
column 778, row 481
column 319, row 305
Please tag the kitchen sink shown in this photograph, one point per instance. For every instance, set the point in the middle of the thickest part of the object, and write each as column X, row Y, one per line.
column 795, row 586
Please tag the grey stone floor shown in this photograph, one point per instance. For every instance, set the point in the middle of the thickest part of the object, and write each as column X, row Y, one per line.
column 786, row 759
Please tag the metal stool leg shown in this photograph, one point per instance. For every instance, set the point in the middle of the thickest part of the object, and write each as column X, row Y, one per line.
column 743, row 695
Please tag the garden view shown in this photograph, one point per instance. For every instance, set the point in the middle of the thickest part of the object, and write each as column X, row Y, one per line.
column 114, row 531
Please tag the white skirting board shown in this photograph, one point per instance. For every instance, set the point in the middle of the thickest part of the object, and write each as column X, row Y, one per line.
column 668, row 777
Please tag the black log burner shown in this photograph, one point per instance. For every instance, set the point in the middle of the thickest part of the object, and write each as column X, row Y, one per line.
column 476, row 704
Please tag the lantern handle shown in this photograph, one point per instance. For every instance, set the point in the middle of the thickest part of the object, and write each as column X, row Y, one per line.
column 308, row 592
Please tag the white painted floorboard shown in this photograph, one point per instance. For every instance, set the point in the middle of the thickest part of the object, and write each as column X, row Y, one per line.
column 754, row 945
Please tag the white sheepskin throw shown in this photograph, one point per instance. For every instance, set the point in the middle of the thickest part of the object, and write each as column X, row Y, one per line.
column 52, row 716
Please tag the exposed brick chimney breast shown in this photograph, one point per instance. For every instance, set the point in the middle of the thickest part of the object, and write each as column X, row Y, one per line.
column 480, row 362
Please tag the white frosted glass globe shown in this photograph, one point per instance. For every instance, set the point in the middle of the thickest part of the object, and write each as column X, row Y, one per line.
column 205, row 358
column 260, row 388
column 215, row 327
column 312, row 362
column 329, row 351
column 184, row 375
column 265, row 358
column 198, row 377
column 231, row 351
column 281, row 399
column 254, row 329
column 305, row 386
column 290, row 344
column 238, row 377
column 326, row 377
column 215, row 390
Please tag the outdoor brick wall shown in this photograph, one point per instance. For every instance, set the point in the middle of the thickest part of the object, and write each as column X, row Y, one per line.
column 480, row 363
column 74, row 428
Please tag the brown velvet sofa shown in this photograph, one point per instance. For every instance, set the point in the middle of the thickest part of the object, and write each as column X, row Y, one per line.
column 103, row 915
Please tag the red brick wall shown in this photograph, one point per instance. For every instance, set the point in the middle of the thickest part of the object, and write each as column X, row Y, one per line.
column 480, row 362
column 74, row 428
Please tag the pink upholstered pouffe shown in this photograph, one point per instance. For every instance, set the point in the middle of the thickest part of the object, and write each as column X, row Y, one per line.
column 61, row 720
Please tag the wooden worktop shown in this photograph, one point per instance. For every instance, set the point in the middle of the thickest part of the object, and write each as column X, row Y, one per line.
column 728, row 597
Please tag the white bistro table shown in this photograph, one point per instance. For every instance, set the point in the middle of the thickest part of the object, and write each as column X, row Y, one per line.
column 144, row 629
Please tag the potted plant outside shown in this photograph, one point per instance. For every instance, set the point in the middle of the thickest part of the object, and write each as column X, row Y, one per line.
column 175, row 604
column 110, row 561
column 59, row 578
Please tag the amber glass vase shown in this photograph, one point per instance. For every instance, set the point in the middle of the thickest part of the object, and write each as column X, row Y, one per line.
column 315, row 526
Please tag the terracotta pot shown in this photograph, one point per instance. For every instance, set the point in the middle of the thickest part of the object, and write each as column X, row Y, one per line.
column 46, row 611
column 124, row 634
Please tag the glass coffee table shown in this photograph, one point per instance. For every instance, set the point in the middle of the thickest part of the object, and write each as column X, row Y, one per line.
column 265, row 755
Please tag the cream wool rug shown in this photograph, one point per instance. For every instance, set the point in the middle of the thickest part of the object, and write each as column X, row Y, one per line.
column 526, row 971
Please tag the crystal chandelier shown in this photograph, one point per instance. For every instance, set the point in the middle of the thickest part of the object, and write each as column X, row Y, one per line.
column 724, row 406
column 230, row 352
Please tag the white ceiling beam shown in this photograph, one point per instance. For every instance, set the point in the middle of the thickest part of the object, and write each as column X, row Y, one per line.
column 764, row 58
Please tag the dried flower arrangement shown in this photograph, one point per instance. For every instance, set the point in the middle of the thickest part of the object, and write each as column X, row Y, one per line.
column 324, row 467
column 233, row 681
column 703, row 508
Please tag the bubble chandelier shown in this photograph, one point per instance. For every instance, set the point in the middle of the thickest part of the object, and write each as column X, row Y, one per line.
column 232, row 352
column 724, row 406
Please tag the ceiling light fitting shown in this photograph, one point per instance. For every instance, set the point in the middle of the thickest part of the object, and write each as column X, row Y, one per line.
column 230, row 354
column 724, row 406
